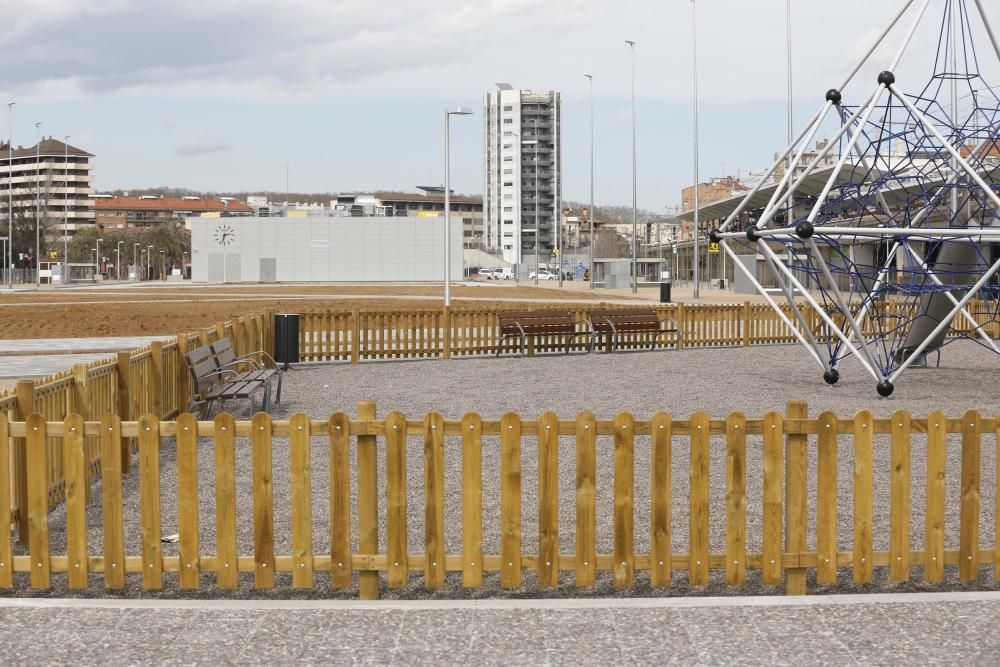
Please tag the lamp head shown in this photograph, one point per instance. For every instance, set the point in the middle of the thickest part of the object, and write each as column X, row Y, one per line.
column 630, row 43
column 459, row 111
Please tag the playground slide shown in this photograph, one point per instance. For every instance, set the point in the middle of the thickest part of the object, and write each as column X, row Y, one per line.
column 935, row 306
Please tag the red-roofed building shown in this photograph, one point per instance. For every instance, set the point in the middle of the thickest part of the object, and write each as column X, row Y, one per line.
column 148, row 210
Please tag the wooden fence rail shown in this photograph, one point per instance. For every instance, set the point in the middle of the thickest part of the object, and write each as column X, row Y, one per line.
column 150, row 380
column 792, row 540
column 356, row 335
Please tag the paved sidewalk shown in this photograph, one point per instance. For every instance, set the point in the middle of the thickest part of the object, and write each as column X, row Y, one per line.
column 949, row 628
column 41, row 357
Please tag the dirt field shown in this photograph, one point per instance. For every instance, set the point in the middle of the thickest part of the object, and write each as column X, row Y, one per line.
column 79, row 313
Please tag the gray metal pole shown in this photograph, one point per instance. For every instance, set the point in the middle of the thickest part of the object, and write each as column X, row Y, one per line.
column 697, row 257
column 590, row 213
column 447, row 209
column 556, row 203
column 537, row 234
column 635, row 237
column 788, row 50
column 10, row 194
column 38, row 195
column 64, row 278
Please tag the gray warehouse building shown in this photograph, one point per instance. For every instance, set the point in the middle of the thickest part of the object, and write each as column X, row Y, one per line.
column 322, row 249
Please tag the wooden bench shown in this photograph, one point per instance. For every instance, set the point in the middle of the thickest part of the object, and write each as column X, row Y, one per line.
column 612, row 323
column 211, row 383
column 535, row 324
column 225, row 357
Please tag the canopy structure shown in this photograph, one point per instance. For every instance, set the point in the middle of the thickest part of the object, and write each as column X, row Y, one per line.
column 897, row 246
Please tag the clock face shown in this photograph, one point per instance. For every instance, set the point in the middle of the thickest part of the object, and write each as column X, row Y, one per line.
column 224, row 235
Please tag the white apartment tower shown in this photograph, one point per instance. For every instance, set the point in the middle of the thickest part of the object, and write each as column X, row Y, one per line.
column 53, row 176
column 522, row 172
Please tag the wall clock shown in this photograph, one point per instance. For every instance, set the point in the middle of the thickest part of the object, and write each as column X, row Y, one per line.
column 224, row 235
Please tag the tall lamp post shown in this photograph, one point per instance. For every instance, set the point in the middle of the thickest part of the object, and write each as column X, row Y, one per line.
column 142, row 262
column 118, row 260
column 590, row 212
column 97, row 256
column 10, row 193
column 135, row 260
column 537, row 235
column 163, row 265
column 38, row 196
column 457, row 111
column 149, row 261
column 635, row 238
column 697, row 250
column 65, row 276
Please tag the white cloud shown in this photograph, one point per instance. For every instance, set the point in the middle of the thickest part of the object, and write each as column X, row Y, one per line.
column 200, row 147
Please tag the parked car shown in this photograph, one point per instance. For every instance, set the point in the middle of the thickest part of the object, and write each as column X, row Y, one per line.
column 543, row 275
column 486, row 274
column 503, row 274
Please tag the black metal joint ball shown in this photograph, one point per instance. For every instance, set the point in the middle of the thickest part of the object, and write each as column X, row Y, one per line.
column 804, row 230
column 832, row 376
column 885, row 389
column 713, row 235
column 887, row 78
column 753, row 234
column 833, row 95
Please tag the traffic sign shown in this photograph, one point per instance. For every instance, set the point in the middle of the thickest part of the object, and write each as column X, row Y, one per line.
column 713, row 248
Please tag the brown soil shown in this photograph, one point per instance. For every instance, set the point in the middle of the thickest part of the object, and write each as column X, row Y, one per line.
column 94, row 312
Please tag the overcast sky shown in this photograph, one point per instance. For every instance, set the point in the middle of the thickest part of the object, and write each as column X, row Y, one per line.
column 220, row 94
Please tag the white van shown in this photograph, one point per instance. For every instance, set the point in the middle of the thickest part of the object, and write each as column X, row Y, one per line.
column 503, row 274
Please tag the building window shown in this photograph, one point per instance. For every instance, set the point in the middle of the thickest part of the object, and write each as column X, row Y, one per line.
column 508, row 171
column 508, row 209
column 508, row 196
column 508, row 158
column 508, row 121
column 508, row 108
column 508, row 235
column 507, row 147
column 508, row 184
column 508, row 133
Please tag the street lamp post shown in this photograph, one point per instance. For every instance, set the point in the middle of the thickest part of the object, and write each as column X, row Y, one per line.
column 135, row 260
column 537, row 230
column 97, row 256
column 149, row 261
column 163, row 265
column 118, row 260
column 458, row 111
column 635, row 273
column 694, row 35
column 65, row 276
column 38, row 196
column 590, row 212
column 10, row 193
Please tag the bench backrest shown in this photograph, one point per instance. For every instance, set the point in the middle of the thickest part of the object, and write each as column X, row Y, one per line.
column 223, row 352
column 537, row 322
column 204, row 363
column 625, row 319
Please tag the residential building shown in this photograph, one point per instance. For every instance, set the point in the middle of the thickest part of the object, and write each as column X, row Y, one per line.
column 54, row 175
column 148, row 210
column 522, row 172
column 810, row 154
column 427, row 202
column 716, row 189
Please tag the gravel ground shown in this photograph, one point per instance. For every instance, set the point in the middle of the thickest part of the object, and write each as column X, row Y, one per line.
column 719, row 381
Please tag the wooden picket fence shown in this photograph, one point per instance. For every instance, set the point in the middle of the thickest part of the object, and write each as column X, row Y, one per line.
column 779, row 444
column 357, row 335
column 150, row 380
